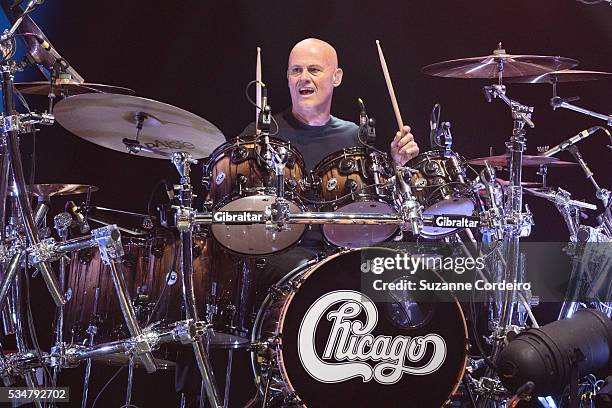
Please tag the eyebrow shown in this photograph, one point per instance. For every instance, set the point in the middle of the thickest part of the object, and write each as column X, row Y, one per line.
column 308, row 66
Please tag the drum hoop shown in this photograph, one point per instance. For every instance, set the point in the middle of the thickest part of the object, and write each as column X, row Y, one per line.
column 347, row 151
column 303, row 272
column 436, row 153
column 249, row 140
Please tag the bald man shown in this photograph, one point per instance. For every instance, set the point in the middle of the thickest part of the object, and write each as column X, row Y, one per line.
column 312, row 76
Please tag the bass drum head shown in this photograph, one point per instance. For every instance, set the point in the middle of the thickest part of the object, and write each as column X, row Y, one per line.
column 338, row 348
column 255, row 239
column 357, row 236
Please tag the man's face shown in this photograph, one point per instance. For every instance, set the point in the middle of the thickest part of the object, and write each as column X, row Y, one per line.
column 312, row 76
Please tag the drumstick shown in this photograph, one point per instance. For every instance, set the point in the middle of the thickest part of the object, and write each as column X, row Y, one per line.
column 398, row 115
column 258, row 85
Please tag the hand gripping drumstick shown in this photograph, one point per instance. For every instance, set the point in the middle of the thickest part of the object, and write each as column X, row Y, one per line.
column 258, row 86
column 411, row 208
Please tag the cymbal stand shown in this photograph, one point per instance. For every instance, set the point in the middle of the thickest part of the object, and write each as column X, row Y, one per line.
column 11, row 127
column 515, row 223
column 185, row 222
column 62, row 222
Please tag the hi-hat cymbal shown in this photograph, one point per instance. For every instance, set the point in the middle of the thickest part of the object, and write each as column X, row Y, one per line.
column 490, row 66
column 68, row 87
column 566, row 75
column 49, row 190
column 528, row 161
column 106, row 119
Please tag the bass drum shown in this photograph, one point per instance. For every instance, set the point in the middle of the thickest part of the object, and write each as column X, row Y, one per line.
column 318, row 339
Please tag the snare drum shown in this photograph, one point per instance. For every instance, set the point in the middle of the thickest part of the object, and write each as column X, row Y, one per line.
column 440, row 185
column 355, row 180
column 318, row 338
column 239, row 180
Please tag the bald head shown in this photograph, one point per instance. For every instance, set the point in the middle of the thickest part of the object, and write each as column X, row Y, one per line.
column 314, row 46
column 312, row 75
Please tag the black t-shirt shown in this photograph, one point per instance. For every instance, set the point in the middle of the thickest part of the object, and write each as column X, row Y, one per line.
column 314, row 143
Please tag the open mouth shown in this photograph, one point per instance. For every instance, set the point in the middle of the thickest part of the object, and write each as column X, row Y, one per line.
column 306, row 91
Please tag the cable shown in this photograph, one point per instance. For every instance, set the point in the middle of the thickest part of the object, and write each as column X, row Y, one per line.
column 252, row 102
column 106, row 385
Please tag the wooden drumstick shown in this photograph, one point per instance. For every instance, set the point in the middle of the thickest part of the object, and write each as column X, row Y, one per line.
column 398, row 115
column 258, row 85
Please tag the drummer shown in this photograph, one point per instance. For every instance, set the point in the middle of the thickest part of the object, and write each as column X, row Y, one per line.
column 312, row 76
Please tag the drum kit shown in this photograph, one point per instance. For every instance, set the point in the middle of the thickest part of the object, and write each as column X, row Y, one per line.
column 186, row 276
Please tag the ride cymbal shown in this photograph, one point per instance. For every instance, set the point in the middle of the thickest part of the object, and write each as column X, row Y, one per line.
column 490, row 66
column 107, row 119
column 528, row 161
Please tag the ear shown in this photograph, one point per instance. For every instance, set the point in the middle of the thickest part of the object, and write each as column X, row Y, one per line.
column 338, row 77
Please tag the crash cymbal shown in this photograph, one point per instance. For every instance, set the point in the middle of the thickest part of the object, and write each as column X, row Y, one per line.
column 528, row 161
column 566, row 75
column 68, row 87
column 49, row 190
column 106, row 119
column 488, row 66
column 551, row 195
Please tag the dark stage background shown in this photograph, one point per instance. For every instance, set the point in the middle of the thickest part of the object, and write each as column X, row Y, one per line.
column 199, row 55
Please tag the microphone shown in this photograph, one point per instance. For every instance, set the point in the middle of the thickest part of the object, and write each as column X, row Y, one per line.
column 367, row 126
column 363, row 116
column 571, row 141
column 78, row 217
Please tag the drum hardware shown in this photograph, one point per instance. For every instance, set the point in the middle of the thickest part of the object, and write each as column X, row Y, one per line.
column 601, row 193
column 62, row 222
column 11, row 127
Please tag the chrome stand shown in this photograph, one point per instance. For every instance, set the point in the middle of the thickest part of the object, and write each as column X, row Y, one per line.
column 130, row 383
column 62, row 223
column 184, row 223
column 92, row 330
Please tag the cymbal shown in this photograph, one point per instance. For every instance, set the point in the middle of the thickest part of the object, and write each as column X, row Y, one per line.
column 566, row 75
column 528, row 161
column 68, row 87
column 551, row 194
column 106, row 119
column 49, row 190
column 505, row 183
column 488, row 66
